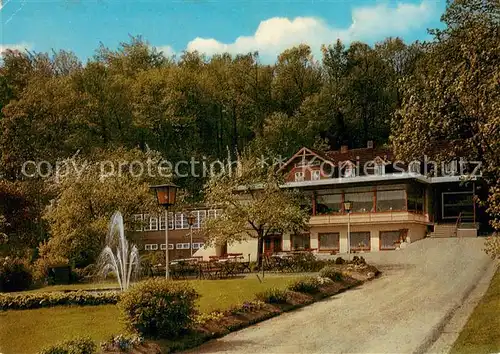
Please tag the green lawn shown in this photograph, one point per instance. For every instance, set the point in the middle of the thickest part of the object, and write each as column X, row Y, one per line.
column 27, row 331
column 481, row 334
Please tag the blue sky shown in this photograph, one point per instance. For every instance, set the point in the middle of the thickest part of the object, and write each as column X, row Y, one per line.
column 211, row 26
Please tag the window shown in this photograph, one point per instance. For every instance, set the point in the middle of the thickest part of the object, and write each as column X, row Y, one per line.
column 182, row 246
column 181, row 221
column 349, row 169
column 299, row 176
column 153, row 223
column 360, row 241
column 388, row 239
column 161, row 223
column 361, row 202
column 329, row 241
column 170, row 221
column 213, row 213
column 456, row 203
column 162, row 247
column 316, row 175
column 151, row 247
column 379, row 168
column 327, row 204
column 170, row 246
column 198, row 245
column 300, row 241
column 391, row 200
column 146, row 222
column 200, row 217
column 138, row 222
column 416, row 198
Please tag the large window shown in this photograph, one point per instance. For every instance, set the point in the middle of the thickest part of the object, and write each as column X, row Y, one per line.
column 416, row 199
column 301, row 241
column 360, row 241
column 456, row 203
column 391, row 200
column 326, row 204
column 388, row 239
column 329, row 241
column 361, row 202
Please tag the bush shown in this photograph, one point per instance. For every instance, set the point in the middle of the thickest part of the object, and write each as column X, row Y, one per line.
column 272, row 296
column 42, row 266
column 159, row 308
column 15, row 275
column 330, row 273
column 75, row 346
column 339, row 260
column 309, row 285
column 37, row 300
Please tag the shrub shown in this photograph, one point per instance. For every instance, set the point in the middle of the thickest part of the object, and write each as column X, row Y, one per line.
column 272, row 296
column 37, row 300
column 309, row 285
column 330, row 273
column 42, row 266
column 159, row 307
column 339, row 260
column 15, row 275
column 75, row 346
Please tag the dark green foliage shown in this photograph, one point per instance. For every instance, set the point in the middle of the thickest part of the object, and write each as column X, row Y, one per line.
column 15, row 275
column 159, row 308
column 75, row 346
column 37, row 300
column 308, row 285
column 331, row 273
column 272, row 296
column 339, row 260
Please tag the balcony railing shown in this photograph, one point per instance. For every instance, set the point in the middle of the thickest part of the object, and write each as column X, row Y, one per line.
column 375, row 217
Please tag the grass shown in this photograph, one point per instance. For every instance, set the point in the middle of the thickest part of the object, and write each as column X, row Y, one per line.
column 27, row 331
column 481, row 334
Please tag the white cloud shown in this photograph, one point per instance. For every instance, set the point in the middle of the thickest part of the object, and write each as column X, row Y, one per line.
column 17, row 46
column 167, row 50
column 369, row 23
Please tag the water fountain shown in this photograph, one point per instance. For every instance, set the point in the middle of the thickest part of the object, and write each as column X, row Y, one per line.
column 117, row 256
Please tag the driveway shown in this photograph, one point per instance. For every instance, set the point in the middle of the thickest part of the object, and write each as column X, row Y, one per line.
column 399, row 312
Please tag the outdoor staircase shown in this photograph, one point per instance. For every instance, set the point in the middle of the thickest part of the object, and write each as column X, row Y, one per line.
column 444, row 230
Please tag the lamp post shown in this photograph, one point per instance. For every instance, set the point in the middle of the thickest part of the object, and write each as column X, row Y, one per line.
column 165, row 195
column 347, row 209
column 191, row 218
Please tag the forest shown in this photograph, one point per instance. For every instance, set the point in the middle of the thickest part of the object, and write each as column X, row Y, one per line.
column 134, row 102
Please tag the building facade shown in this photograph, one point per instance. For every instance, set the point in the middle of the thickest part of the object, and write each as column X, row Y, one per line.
column 393, row 203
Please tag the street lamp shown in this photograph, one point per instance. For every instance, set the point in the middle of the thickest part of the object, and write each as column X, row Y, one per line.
column 347, row 209
column 191, row 218
column 165, row 195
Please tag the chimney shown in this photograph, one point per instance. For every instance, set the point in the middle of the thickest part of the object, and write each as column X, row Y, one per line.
column 369, row 144
column 344, row 149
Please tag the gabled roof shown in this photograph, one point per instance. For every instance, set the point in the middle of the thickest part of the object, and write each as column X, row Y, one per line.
column 306, row 154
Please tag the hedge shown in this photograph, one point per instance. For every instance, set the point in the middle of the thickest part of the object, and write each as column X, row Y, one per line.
column 49, row 299
column 76, row 346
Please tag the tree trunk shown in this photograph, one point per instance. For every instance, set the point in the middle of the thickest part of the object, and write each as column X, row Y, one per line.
column 260, row 249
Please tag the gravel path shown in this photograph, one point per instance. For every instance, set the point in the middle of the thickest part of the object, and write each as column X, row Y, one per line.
column 401, row 312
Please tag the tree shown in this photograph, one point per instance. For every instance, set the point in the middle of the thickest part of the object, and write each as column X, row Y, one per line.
column 454, row 93
column 89, row 191
column 253, row 204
